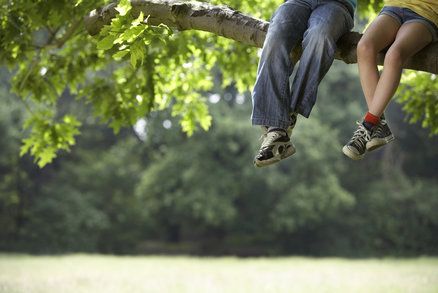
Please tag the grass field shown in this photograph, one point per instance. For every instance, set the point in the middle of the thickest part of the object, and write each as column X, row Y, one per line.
column 96, row 273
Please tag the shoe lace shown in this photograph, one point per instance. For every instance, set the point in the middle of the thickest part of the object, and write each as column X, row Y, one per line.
column 379, row 129
column 361, row 135
column 270, row 137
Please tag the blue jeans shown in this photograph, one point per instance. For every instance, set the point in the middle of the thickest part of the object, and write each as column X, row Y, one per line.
column 318, row 24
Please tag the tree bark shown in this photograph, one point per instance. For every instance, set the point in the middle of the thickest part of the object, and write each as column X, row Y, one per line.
column 232, row 24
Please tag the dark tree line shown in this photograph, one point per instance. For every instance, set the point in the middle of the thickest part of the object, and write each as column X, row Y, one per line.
column 153, row 189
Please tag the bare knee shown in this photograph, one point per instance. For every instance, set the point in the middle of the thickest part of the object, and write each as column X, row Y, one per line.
column 366, row 49
column 394, row 57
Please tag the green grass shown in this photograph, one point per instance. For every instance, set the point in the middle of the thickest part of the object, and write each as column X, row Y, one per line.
column 96, row 273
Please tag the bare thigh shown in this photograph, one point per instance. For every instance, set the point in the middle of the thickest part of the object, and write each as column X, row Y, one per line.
column 381, row 32
column 411, row 38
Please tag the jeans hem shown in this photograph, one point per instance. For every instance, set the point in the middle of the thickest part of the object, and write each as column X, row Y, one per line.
column 270, row 122
column 304, row 112
column 306, row 104
column 432, row 30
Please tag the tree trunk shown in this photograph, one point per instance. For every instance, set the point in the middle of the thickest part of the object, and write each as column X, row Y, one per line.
column 226, row 22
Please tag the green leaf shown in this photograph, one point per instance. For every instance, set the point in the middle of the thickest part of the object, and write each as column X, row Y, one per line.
column 139, row 20
column 46, row 156
column 124, row 7
column 137, row 51
column 47, row 137
column 107, row 42
column 129, row 35
column 27, row 144
column 119, row 55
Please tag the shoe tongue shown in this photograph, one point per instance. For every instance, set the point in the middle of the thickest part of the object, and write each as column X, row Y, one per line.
column 368, row 126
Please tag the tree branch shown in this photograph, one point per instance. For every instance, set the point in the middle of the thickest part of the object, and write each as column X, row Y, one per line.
column 231, row 24
column 70, row 31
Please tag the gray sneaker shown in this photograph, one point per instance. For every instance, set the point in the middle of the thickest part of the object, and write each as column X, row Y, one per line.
column 275, row 147
column 356, row 148
column 380, row 136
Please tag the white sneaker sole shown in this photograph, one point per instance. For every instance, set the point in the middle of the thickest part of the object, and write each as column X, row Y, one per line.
column 352, row 155
column 379, row 142
column 287, row 153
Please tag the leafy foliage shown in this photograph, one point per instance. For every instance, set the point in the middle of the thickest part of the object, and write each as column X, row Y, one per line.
column 419, row 95
column 131, row 70
column 56, row 136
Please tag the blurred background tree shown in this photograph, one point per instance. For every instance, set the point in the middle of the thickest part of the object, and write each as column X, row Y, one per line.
column 146, row 187
column 151, row 189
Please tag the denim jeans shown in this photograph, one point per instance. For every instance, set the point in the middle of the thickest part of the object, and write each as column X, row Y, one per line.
column 405, row 15
column 317, row 24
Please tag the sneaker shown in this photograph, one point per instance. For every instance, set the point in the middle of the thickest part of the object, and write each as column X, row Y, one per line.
column 380, row 136
column 276, row 146
column 356, row 147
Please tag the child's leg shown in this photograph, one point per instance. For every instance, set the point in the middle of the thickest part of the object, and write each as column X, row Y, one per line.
column 411, row 38
column 381, row 32
column 271, row 95
column 327, row 23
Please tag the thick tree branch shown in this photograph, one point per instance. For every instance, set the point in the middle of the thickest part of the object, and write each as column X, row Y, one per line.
column 226, row 22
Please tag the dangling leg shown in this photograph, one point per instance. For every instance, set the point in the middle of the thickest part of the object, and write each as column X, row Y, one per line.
column 327, row 23
column 380, row 34
column 271, row 95
column 411, row 38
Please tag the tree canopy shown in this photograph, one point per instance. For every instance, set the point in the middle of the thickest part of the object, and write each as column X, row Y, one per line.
column 135, row 67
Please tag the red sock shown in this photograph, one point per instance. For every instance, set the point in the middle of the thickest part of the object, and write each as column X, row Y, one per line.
column 371, row 120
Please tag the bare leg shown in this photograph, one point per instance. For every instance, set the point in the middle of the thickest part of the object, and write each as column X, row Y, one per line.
column 411, row 38
column 381, row 32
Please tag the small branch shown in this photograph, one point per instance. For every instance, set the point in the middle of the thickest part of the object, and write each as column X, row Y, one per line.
column 34, row 62
column 52, row 35
column 68, row 34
